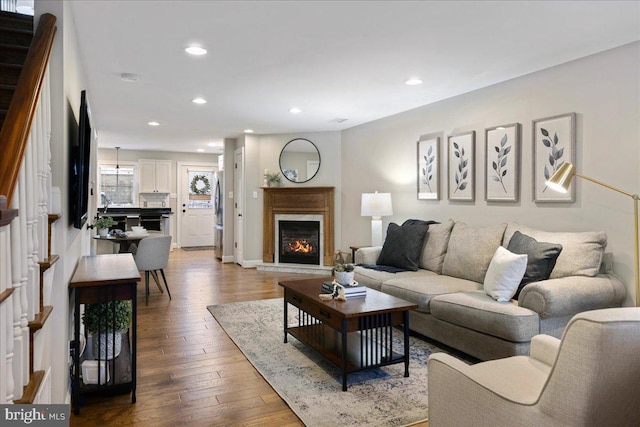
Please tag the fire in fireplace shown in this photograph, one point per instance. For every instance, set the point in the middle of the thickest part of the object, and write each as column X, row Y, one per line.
column 299, row 242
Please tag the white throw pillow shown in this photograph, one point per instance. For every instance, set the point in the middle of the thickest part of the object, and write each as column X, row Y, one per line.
column 504, row 274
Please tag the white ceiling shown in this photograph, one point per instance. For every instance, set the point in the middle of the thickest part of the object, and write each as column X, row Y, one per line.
column 332, row 59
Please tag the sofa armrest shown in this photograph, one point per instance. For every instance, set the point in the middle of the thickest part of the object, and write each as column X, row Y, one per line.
column 457, row 390
column 368, row 255
column 545, row 348
column 567, row 296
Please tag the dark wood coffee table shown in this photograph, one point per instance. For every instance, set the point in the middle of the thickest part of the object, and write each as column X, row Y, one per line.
column 355, row 334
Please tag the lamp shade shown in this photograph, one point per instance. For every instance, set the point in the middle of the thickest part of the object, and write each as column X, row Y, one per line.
column 376, row 204
column 561, row 179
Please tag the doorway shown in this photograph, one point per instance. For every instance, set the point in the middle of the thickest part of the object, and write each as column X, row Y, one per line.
column 196, row 204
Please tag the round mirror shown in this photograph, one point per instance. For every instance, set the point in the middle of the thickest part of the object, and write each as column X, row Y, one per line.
column 299, row 160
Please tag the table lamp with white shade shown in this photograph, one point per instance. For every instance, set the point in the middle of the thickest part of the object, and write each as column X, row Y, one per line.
column 376, row 205
column 561, row 180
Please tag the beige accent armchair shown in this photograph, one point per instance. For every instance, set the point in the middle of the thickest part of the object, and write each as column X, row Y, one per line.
column 589, row 378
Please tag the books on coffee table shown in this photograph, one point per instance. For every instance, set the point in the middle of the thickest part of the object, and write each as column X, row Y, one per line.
column 349, row 291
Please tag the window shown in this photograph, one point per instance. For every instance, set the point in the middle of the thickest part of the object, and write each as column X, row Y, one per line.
column 118, row 185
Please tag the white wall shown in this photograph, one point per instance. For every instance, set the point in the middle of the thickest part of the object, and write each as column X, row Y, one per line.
column 109, row 155
column 604, row 91
column 67, row 80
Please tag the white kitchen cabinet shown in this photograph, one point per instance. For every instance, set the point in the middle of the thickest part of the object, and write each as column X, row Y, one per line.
column 155, row 176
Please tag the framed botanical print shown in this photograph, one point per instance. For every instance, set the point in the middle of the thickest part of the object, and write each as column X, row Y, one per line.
column 554, row 142
column 429, row 167
column 502, row 170
column 461, row 166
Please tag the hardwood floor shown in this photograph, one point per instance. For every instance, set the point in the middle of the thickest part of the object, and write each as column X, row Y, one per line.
column 189, row 371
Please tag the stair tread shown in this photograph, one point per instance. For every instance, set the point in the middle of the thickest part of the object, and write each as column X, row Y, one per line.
column 47, row 263
column 13, row 46
column 15, row 15
column 40, row 318
column 31, row 389
column 15, row 30
column 18, row 18
column 10, row 64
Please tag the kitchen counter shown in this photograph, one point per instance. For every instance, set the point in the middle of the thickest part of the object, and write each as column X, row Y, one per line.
column 151, row 218
column 135, row 211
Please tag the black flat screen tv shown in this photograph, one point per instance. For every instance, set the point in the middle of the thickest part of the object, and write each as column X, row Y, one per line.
column 79, row 162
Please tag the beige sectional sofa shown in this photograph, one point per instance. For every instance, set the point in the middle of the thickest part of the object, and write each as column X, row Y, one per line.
column 454, row 308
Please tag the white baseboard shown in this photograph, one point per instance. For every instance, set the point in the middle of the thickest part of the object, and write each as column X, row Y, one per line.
column 296, row 268
column 251, row 263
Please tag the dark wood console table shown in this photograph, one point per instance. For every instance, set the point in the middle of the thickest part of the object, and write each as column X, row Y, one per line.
column 101, row 279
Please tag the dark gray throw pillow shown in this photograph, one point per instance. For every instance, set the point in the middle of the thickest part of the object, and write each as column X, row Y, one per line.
column 541, row 259
column 403, row 245
column 419, row 222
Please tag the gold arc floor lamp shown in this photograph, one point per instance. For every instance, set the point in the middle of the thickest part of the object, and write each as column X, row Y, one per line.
column 561, row 180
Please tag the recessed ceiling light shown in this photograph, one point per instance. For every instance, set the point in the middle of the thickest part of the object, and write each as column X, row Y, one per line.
column 154, row 124
column 199, row 101
column 196, row 50
column 200, row 150
column 248, row 131
column 295, row 110
column 212, row 144
column 413, row 82
column 129, row 77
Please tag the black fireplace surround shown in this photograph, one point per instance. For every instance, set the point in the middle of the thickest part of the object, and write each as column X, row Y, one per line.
column 299, row 242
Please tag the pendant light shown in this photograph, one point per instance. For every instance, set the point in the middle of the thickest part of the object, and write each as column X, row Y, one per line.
column 117, row 172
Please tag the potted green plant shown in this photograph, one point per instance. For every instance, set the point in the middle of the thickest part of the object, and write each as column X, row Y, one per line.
column 344, row 273
column 101, row 321
column 273, row 179
column 102, row 224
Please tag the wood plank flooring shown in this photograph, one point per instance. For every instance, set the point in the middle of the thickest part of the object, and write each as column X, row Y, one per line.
column 189, row 371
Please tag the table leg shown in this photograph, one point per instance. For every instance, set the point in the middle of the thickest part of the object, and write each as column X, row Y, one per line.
column 286, row 319
column 406, row 343
column 344, row 354
column 134, row 340
column 75, row 386
column 124, row 246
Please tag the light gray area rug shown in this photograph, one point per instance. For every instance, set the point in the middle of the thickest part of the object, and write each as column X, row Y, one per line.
column 312, row 386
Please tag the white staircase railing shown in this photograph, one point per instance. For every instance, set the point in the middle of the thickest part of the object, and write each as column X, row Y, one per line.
column 9, row 5
column 23, row 244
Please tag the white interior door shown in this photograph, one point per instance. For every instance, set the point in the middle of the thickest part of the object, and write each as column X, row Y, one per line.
column 238, row 203
column 196, row 204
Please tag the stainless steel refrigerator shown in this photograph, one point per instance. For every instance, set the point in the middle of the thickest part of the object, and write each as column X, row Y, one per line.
column 218, row 215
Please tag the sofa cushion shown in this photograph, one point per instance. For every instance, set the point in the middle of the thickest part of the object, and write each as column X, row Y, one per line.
column 479, row 312
column 581, row 251
column 470, row 250
column 504, row 274
column 435, row 246
column 423, row 285
column 541, row 259
column 373, row 278
column 403, row 245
